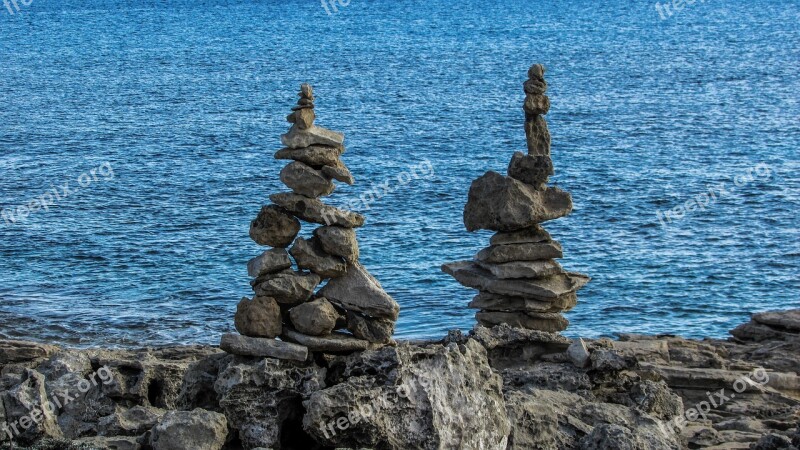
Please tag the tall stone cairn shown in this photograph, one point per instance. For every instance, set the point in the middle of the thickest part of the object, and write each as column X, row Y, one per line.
column 519, row 279
column 287, row 303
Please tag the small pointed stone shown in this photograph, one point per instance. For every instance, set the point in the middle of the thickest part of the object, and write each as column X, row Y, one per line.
column 304, row 118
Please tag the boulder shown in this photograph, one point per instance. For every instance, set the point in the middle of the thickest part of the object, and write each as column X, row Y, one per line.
column 524, row 236
column 262, row 347
column 305, row 180
column 316, row 318
column 335, row 342
column 579, row 354
column 190, row 430
column 309, row 255
column 271, row 261
column 537, row 136
column 338, row 241
column 314, row 135
column 523, row 269
column 315, row 156
column 532, row 251
column 313, row 210
column 504, row 204
column 274, row 227
column 359, row 291
column 260, row 317
column 470, row 274
column 287, row 287
column 533, row 170
column 370, row 329
column 550, row 322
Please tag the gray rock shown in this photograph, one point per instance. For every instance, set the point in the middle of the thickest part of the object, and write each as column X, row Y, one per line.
column 109, row 443
column 12, row 352
column 304, row 118
column 359, row 291
column 274, row 227
column 504, row 204
column 339, row 172
column 493, row 302
column 339, row 241
column 536, row 87
column 607, row 436
column 523, row 269
column 471, row 275
column 536, row 72
column 190, row 430
column 335, row 342
column 315, row 155
column 527, row 235
column 313, row 210
column 550, row 322
column 537, row 136
column 370, row 329
column 579, row 354
column 533, row 170
column 262, row 347
column 260, row 317
column 788, row 321
column 305, row 180
column 316, row 318
column 536, row 104
column 309, row 255
column 288, row 287
column 271, row 261
column 24, row 409
column 130, row 422
column 535, row 251
column 299, row 138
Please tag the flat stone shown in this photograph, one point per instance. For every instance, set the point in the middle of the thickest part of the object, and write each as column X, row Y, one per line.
column 12, row 351
column 533, row 251
column 316, row 318
column 549, row 322
column 494, row 302
column 339, row 172
column 782, row 320
column 313, row 210
column 299, row 138
column 537, row 135
column 470, row 274
column 370, row 329
column 315, row 156
column 309, row 255
column 334, row 342
column 359, row 291
column 533, row 170
column 271, row 261
column 339, row 241
column 305, row 180
column 523, row 269
column 504, row 204
column 274, row 227
column 190, row 430
column 260, row 317
column 287, row 287
column 527, row 235
column 536, row 104
column 262, row 347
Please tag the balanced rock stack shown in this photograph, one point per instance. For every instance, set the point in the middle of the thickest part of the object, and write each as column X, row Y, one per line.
column 520, row 282
column 287, row 302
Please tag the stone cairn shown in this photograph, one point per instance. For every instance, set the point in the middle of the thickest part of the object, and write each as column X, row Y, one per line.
column 520, row 282
column 285, row 302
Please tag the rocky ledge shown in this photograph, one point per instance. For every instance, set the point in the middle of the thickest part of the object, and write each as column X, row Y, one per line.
column 494, row 388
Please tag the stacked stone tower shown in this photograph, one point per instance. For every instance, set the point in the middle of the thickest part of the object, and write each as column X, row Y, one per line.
column 519, row 279
column 287, row 302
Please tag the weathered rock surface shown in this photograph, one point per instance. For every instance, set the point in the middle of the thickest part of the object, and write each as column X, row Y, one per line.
column 531, row 251
column 470, row 274
column 339, row 172
column 550, row 322
column 370, row 329
column 536, row 104
column 494, row 302
column 262, row 347
column 538, row 136
column 339, row 241
column 287, row 287
column 271, row 261
column 305, row 180
column 190, row 430
column 504, row 204
column 274, row 227
column 315, row 156
column 313, row 210
column 316, row 318
column 260, row 317
column 309, row 255
column 299, row 138
column 527, row 235
column 359, row 291
column 533, row 170
column 523, row 269
column 333, row 343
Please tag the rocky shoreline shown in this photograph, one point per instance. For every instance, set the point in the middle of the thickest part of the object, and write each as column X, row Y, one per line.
column 494, row 388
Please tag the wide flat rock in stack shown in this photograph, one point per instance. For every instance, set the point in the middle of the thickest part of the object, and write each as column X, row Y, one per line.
column 262, row 347
column 471, row 274
column 313, row 210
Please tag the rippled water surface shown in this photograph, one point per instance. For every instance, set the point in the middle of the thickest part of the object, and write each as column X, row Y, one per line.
column 178, row 107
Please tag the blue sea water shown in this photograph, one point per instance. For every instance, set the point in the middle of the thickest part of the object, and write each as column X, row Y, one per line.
column 168, row 113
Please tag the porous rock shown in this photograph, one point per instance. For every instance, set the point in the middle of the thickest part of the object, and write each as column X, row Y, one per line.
column 359, row 291
column 274, row 227
column 316, row 318
column 190, row 430
column 260, row 317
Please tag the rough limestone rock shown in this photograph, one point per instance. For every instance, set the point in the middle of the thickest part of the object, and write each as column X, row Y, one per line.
column 24, row 411
column 339, row 172
column 524, row 269
column 526, row 235
column 300, row 138
column 313, row 210
column 370, row 329
column 12, row 351
column 332, row 343
column 533, row 170
column 316, row 318
column 531, row 251
column 359, row 291
column 550, row 322
column 260, row 317
column 472, row 275
column 271, row 261
column 262, row 347
column 536, row 104
column 130, row 422
column 309, row 255
column 538, row 136
column 409, row 403
column 305, row 180
column 315, row 156
column 338, row 241
column 504, row 204
column 288, row 287
column 190, row 430
column 494, row 302
column 274, row 227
